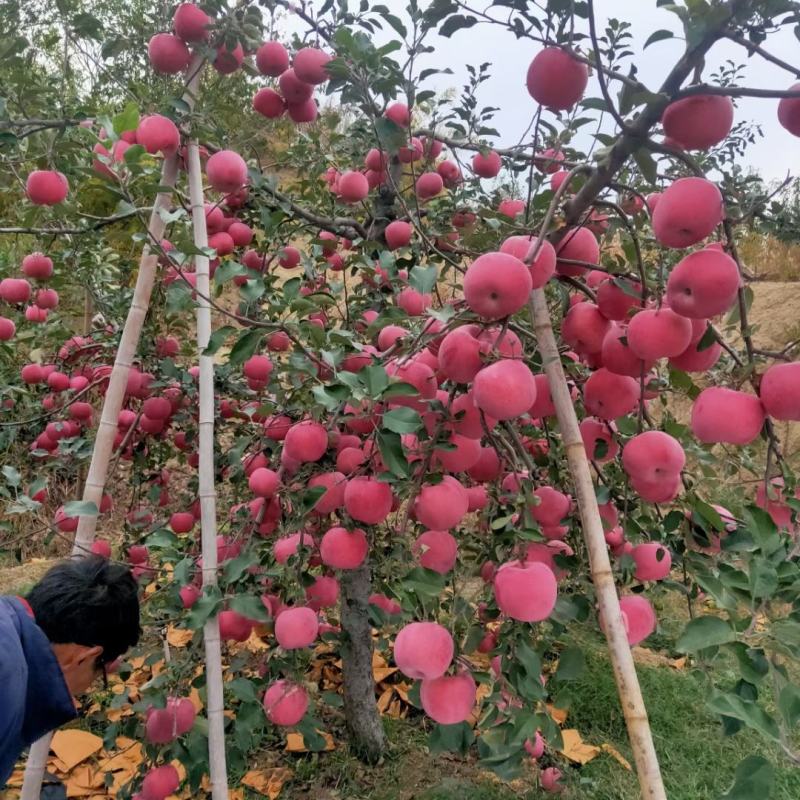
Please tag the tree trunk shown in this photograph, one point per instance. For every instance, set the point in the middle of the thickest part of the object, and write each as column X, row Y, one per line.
column 361, row 712
column 630, row 693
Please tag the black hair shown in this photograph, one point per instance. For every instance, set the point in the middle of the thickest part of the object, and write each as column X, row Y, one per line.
column 88, row 601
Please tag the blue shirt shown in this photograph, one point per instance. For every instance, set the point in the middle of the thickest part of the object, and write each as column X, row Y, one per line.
column 34, row 698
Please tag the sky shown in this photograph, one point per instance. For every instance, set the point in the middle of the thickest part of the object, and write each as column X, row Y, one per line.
column 772, row 156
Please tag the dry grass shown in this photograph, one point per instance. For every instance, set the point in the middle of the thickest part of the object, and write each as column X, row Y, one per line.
column 768, row 258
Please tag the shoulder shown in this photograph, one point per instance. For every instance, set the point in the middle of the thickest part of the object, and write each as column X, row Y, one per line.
column 13, row 667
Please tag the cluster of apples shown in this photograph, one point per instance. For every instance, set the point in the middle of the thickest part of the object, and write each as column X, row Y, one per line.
column 17, row 292
column 42, row 188
column 170, row 54
column 467, row 379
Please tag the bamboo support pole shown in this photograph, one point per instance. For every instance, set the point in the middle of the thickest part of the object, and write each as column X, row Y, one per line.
column 207, row 494
column 630, row 694
column 126, row 353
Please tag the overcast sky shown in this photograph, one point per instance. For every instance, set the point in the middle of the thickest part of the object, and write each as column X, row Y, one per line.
column 772, row 156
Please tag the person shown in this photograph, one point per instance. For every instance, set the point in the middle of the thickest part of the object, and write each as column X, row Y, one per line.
column 81, row 616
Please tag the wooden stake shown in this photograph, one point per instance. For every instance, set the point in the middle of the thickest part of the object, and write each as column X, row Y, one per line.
column 206, row 492
column 630, row 694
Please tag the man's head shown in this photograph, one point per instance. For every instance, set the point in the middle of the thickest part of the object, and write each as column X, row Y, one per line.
column 89, row 610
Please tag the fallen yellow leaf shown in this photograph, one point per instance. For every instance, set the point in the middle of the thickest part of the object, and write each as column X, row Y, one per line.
column 179, row 637
column 15, row 779
column 380, row 674
column 83, row 781
column 575, row 749
column 295, row 743
column 614, row 753
column 255, row 643
column 128, row 757
column 384, row 700
column 267, row 782
column 58, row 765
column 403, row 689
column 377, row 659
column 73, row 746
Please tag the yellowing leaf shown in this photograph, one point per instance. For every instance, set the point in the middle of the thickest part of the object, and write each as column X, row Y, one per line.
column 58, row 765
column 614, row 753
column 73, row 746
column 194, row 696
column 575, row 749
column 558, row 714
column 377, row 660
column 179, row 637
column 296, row 744
column 116, row 714
column 380, row 674
column 15, row 780
column 255, row 643
column 384, row 700
column 83, row 781
column 268, row 782
column 128, row 757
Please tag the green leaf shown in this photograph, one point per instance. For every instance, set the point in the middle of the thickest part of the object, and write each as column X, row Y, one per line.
column 753, row 665
column 571, row 664
column 395, row 23
column 218, row 339
column 787, row 631
column 708, row 338
column 402, row 420
column 529, row 659
column 246, row 345
column 79, row 508
column 709, row 514
column 391, row 449
column 657, row 36
column 243, row 689
column 747, row 711
column 456, row 23
column 205, row 608
column 704, row 632
column 763, row 578
column 754, row 780
column 646, row 164
column 789, row 704
column 391, row 136
column 162, row 538
column 12, row 476
column 228, row 270
column 126, row 120
column 249, row 606
column 327, row 398
column 451, row 738
column 234, row 568
column 423, row 279
column 400, row 389
column 375, row 380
